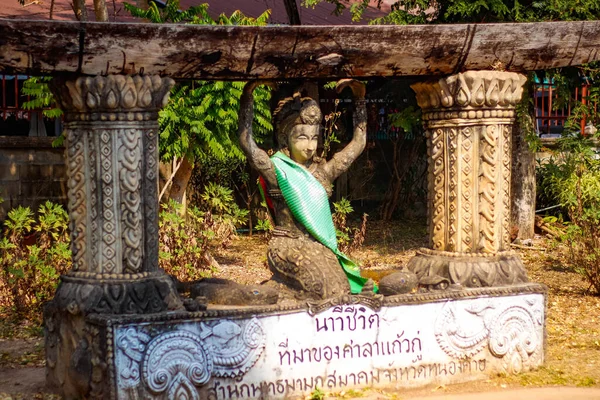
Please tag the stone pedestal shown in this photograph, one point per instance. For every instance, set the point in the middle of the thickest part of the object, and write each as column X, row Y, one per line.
column 345, row 343
column 112, row 165
column 468, row 118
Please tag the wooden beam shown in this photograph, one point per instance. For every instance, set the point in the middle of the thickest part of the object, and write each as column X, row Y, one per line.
column 275, row 52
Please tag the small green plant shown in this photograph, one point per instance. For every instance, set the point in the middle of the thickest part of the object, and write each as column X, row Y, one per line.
column 317, row 394
column 264, row 225
column 184, row 242
column 349, row 239
column 34, row 252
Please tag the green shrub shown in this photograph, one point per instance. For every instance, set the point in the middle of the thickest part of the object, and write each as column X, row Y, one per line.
column 34, row 252
column 349, row 239
column 572, row 178
column 187, row 239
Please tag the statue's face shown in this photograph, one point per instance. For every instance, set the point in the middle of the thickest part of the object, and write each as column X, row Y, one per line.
column 302, row 142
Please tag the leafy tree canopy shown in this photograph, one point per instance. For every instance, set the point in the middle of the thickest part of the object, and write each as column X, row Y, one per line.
column 200, row 120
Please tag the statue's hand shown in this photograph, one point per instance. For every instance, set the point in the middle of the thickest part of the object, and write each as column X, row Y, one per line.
column 251, row 85
column 358, row 88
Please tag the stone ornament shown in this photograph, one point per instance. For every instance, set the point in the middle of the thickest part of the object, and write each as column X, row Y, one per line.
column 509, row 333
column 174, row 364
column 235, row 348
column 112, row 165
column 471, row 95
column 373, row 301
column 113, row 97
column 468, row 119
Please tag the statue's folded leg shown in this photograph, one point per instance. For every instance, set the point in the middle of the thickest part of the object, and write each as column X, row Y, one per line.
column 307, row 267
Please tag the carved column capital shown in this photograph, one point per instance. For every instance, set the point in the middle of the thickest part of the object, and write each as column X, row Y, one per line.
column 470, row 96
column 468, row 119
column 113, row 97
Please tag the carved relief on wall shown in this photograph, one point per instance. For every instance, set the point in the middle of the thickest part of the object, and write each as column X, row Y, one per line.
column 510, row 333
column 174, row 364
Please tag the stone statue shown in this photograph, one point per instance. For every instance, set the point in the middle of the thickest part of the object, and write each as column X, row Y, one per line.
column 302, row 252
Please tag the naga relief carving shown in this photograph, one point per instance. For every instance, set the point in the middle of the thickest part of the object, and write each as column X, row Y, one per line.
column 468, row 118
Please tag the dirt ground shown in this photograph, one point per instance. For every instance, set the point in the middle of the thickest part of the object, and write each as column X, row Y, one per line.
column 573, row 319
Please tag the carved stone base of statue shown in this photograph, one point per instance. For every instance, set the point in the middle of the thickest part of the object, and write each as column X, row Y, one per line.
column 277, row 351
column 307, row 266
column 440, row 269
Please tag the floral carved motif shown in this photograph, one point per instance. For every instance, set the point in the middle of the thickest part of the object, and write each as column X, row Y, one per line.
column 471, row 94
column 488, row 189
column 174, row 364
column 512, row 333
column 113, row 97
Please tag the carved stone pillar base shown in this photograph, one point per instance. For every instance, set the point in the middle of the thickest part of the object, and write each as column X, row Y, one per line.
column 439, row 269
column 71, row 368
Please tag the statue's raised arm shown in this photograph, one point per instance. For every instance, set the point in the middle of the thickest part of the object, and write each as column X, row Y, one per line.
column 342, row 160
column 257, row 157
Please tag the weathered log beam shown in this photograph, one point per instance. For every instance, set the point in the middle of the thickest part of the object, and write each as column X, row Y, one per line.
column 273, row 52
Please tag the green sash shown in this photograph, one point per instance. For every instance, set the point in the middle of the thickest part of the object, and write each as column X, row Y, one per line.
column 309, row 204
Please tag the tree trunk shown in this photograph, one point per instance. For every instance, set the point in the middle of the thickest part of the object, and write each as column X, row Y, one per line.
column 100, row 10
column 291, row 8
column 181, row 180
column 522, row 187
column 80, row 10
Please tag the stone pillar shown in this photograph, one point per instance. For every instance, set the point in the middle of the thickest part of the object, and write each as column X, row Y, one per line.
column 112, row 166
column 468, row 119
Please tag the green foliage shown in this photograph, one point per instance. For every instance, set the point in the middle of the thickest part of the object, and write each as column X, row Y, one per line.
column 572, row 177
column 264, row 225
column 40, row 96
column 478, row 11
column 188, row 238
column 184, row 242
column 317, row 394
column 349, row 239
column 201, row 119
column 219, row 201
column 34, row 251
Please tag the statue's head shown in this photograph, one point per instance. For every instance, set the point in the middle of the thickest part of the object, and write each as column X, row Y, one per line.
column 298, row 123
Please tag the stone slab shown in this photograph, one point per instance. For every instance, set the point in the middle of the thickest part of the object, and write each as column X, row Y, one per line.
column 400, row 342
